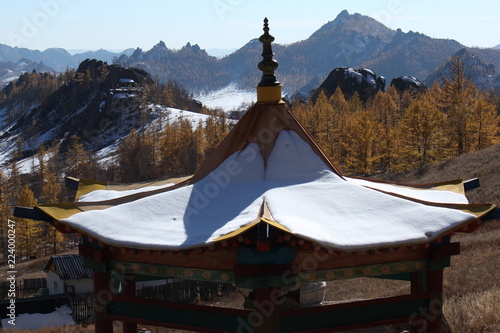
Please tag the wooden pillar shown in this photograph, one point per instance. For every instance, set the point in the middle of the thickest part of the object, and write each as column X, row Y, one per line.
column 128, row 289
column 417, row 285
column 434, row 317
column 102, row 297
column 266, row 303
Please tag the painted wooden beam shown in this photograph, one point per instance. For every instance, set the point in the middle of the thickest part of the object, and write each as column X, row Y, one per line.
column 191, row 317
column 166, row 271
column 471, row 184
column 323, row 260
column 364, row 271
column 354, row 314
column 71, row 182
column 493, row 215
column 220, row 259
column 31, row 213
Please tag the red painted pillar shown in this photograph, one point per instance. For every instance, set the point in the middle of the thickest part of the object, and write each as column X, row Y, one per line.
column 102, row 298
column 267, row 308
column 128, row 289
column 434, row 317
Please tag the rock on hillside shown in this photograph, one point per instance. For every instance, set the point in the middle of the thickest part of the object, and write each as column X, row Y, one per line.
column 100, row 103
column 363, row 81
column 405, row 82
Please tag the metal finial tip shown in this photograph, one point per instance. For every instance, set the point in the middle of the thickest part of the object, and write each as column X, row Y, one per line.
column 268, row 65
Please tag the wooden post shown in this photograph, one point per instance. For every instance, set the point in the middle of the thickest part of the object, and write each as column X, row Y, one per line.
column 265, row 302
column 128, row 289
column 102, row 297
column 434, row 317
column 417, row 286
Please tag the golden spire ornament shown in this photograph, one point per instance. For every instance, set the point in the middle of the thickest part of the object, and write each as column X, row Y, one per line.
column 268, row 89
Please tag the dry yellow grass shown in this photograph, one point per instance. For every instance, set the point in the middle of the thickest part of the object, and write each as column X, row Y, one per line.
column 472, row 283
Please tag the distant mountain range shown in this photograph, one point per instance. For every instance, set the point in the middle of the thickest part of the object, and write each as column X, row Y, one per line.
column 54, row 59
column 350, row 40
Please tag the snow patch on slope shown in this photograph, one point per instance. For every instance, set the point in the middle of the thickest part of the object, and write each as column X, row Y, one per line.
column 228, row 98
column 32, row 321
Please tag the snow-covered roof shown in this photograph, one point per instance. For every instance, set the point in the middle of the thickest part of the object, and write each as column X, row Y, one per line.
column 268, row 170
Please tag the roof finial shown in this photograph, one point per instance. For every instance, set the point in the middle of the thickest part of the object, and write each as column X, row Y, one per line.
column 268, row 89
column 268, row 65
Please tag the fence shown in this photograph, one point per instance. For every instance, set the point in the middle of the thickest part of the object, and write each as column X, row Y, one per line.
column 24, row 288
column 83, row 309
column 186, row 291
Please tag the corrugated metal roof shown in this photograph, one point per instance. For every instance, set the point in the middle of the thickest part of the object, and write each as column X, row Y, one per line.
column 69, row 267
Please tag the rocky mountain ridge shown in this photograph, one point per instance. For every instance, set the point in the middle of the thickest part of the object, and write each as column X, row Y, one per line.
column 350, row 40
column 57, row 59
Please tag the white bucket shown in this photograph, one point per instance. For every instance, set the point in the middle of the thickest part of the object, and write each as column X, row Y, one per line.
column 312, row 293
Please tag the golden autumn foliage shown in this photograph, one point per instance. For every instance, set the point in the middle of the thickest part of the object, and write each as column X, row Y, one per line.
column 398, row 132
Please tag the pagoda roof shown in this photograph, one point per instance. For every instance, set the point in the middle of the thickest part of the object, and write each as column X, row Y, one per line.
column 269, row 170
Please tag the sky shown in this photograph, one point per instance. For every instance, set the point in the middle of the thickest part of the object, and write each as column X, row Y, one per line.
column 228, row 24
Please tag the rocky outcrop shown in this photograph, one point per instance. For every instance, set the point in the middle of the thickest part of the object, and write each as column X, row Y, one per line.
column 101, row 102
column 411, row 83
column 363, row 81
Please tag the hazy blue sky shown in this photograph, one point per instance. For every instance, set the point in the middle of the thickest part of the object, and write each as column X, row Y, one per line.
column 113, row 24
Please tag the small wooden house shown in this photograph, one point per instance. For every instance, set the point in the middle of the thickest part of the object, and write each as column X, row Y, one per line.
column 66, row 274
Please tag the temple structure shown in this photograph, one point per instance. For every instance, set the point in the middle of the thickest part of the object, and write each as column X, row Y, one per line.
column 267, row 212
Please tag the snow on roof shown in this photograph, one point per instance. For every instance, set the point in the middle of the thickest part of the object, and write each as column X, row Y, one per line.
column 303, row 194
column 101, row 195
column 424, row 194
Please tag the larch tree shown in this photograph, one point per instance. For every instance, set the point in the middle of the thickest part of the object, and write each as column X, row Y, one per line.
column 28, row 231
column 340, row 113
column 420, row 132
column 79, row 161
column 4, row 211
column 136, row 157
column 386, row 110
column 483, row 129
column 50, row 190
column 215, row 129
column 456, row 98
column 362, row 134
column 326, row 124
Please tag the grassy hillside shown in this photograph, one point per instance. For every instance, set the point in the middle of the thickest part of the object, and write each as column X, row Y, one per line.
column 483, row 164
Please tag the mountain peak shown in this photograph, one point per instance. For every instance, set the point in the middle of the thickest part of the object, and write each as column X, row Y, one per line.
column 342, row 14
column 160, row 45
column 348, row 23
